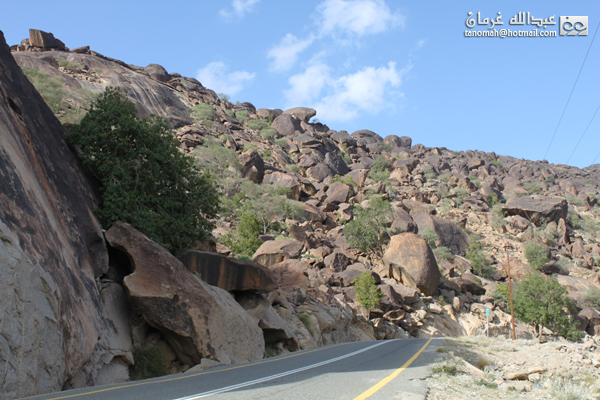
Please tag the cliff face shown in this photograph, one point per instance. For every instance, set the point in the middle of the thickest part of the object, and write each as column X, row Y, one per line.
column 52, row 324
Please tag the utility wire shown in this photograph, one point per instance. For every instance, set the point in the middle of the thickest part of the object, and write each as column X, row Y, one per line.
column 595, row 159
column 594, row 116
column 572, row 89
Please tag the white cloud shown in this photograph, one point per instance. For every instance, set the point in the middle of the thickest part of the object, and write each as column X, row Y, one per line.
column 239, row 8
column 367, row 90
column 357, row 17
column 216, row 77
column 285, row 54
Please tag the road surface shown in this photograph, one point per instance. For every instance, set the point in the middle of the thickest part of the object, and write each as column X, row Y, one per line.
column 390, row 369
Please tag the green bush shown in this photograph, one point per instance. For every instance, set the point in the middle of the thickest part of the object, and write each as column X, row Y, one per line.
column 368, row 294
column 385, row 146
column 379, row 171
column 244, row 241
column 215, row 158
column 430, row 237
column 224, row 97
column 536, row 254
column 444, row 253
column 293, row 168
column 346, row 157
column 592, row 298
column 203, row 112
column 149, row 363
column 550, row 179
column 281, row 142
column 258, row 124
column 497, row 219
column 305, row 319
column 428, row 173
column 266, row 155
column 543, row 302
column 63, row 62
column 497, row 164
column 366, row 231
column 532, row 188
column 145, row 180
column 50, row 88
column 242, row 116
column 268, row 133
column 479, row 263
column 346, row 180
column 230, row 113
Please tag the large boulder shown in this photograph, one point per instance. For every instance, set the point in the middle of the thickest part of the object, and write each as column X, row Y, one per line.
column 449, row 234
column 411, row 261
column 227, row 273
column 537, row 209
column 291, row 274
column 44, row 40
column 338, row 193
column 302, row 113
column 287, row 125
column 157, row 72
column 253, row 166
column 54, row 331
column 275, row 251
column 196, row 319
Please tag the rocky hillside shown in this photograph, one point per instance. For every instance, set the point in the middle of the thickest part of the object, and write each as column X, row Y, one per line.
column 453, row 215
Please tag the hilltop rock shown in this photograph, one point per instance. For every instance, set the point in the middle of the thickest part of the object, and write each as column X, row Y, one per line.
column 197, row 320
column 229, row 274
column 157, row 72
column 411, row 261
column 44, row 40
column 287, row 125
column 302, row 113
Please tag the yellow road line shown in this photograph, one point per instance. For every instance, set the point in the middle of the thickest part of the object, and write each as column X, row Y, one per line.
column 195, row 374
column 394, row 374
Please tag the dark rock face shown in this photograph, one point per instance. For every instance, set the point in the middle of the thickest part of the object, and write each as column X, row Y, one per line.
column 229, row 274
column 253, row 166
column 302, row 113
column 44, row 40
column 450, row 235
column 537, row 209
column 287, row 125
column 196, row 319
column 54, row 331
column 158, row 72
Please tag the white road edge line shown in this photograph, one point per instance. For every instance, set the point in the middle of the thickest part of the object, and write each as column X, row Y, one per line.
column 269, row 378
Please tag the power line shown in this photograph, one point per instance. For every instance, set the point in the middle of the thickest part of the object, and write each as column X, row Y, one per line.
column 594, row 116
column 572, row 89
column 595, row 159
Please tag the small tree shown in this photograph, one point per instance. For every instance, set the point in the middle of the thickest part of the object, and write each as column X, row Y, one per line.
column 244, row 241
column 536, row 254
column 368, row 294
column 145, row 180
column 430, row 237
column 543, row 302
column 367, row 231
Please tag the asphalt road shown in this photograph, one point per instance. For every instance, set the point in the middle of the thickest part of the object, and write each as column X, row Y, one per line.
column 390, row 369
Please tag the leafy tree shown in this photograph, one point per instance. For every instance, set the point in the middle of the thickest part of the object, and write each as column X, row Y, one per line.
column 145, row 180
column 368, row 294
column 244, row 241
column 543, row 302
column 536, row 254
column 367, row 231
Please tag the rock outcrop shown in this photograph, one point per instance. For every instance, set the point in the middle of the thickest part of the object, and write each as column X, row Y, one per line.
column 197, row 320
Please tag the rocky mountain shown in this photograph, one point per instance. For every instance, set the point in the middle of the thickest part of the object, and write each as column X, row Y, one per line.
column 81, row 301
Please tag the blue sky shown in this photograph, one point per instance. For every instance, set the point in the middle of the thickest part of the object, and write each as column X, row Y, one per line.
column 403, row 68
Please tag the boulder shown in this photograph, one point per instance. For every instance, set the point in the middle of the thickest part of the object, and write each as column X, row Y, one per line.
column 157, row 72
column 197, row 320
column 253, row 166
column 276, row 251
column 449, row 234
column 227, row 273
column 81, row 50
column 337, row 261
column 302, row 113
column 276, row 330
column 287, row 125
column 338, row 193
column 410, row 260
column 290, row 274
column 265, row 113
column 319, row 172
column 45, row 40
column 284, row 180
column 403, row 222
column 537, row 209
column 467, row 285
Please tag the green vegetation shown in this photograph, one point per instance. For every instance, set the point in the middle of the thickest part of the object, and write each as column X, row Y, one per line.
column 387, row 147
column 244, row 241
column 268, row 133
column 149, row 363
column 346, row 179
column 443, row 252
column 63, row 62
column 543, row 302
column 293, row 168
column 346, row 157
column 145, row 180
column 366, row 231
column 429, row 173
column 368, row 294
column 230, row 113
column 305, row 319
column 224, row 97
column 497, row 164
column 532, row 188
column 203, row 112
column 550, row 179
column 536, row 254
column 281, row 142
column 430, row 237
column 479, row 263
column 258, row 124
column 242, row 116
column 592, row 298
column 50, row 88
column 379, row 171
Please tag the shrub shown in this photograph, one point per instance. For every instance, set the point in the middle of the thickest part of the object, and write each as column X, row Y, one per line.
column 592, row 298
column 346, row 157
column 267, row 154
column 532, row 188
column 281, row 142
column 497, row 219
column 230, row 113
column 149, row 363
column 379, row 170
column 50, row 88
column 536, row 254
column 550, row 179
column 368, row 294
column 574, row 200
column 224, row 97
column 492, row 199
column 385, row 147
column 430, row 236
column 543, row 302
column 347, row 180
column 244, row 241
column 145, row 180
column 305, row 319
column 497, row 164
column 444, row 253
column 203, row 112
column 214, row 158
column 242, row 115
column 293, row 168
column 428, row 173
column 268, row 133
column 63, row 62
column 258, row 124
column 366, row 231
column 98, row 70
column 479, row 263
